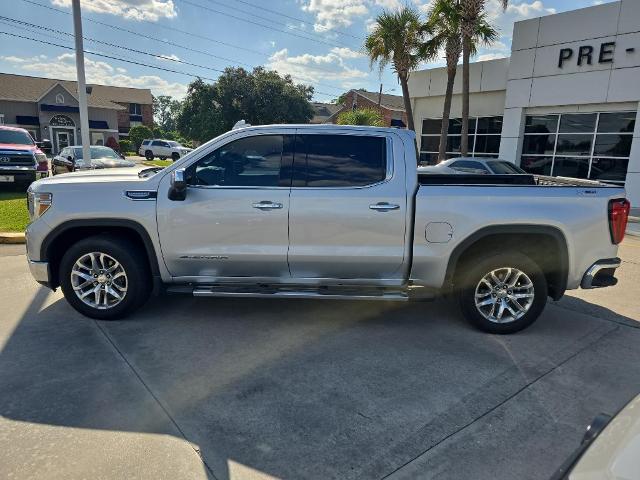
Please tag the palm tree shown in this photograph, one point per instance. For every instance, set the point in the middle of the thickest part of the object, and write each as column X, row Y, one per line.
column 472, row 12
column 445, row 22
column 399, row 39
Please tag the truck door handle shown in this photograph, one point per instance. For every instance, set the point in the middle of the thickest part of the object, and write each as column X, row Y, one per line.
column 266, row 205
column 384, row 206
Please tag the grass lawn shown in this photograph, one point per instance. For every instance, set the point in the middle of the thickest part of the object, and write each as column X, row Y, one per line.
column 14, row 215
column 159, row 163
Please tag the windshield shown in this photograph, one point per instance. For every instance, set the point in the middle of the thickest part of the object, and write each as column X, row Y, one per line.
column 97, row 152
column 504, row 168
column 15, row 137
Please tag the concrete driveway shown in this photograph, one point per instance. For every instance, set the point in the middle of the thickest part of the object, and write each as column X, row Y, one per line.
column 252, row 389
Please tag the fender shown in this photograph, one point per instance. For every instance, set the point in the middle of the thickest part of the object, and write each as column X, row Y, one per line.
column 517, row 229
column 104, row 222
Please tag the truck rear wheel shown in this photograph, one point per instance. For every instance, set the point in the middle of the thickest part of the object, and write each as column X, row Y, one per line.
column 503, row 293
column 104, row 278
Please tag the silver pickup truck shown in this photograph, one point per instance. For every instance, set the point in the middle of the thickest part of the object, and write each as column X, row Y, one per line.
column 322, row 211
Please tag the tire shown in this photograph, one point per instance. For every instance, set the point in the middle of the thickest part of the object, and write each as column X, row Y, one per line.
column 148, row 154
column 136, row 279
column 175, row 156
column 476, row 279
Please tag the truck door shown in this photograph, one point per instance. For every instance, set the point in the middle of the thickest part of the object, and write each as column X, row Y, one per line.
column 348, row 208
column 234, row 220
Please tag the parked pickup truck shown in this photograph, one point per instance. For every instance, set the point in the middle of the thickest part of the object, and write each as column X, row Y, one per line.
column 21, row 160
column 322, row 211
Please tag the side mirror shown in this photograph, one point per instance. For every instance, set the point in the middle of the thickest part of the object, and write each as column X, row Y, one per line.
column 178, row 190
column 70, row 158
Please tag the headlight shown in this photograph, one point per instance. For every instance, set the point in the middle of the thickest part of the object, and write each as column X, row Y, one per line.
column 38, row 203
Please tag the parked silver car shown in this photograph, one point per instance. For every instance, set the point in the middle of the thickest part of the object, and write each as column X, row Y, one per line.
column 474, row 165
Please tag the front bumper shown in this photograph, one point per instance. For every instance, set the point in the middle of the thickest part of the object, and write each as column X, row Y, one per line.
column 40, row 272
column 20, row 174
column 601, row 274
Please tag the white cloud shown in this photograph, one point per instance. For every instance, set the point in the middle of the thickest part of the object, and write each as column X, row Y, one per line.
column 313, row 68
column 100, row 72
column 332, row 14
column 152, row 10
column 345, row 52
column 490, row 56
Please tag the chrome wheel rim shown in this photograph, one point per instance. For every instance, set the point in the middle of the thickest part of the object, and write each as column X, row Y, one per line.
column 504, row 295
column 99, row 280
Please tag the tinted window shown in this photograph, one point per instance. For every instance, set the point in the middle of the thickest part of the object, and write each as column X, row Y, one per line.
column 97, row 152
column 341, row 160
column 538, row 144
column 247, row 162
column 609, row 169
column 490, row 125
column 571, row 167
column 541, row 124
column 574, row 144
column 469, row 166
column 578, row 123
column 537, row 165
column 623, row 122
column 431, row 126
column 504, row 168
column 613, row 145
column 487, row 144
column 16, row 137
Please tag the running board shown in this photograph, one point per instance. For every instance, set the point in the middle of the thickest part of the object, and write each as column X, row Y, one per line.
column 217, row 292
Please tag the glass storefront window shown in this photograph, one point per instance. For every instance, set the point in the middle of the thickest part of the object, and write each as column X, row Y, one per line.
column 541, row 124
column 571, row 167
column 484, row 138
column 609, row 169
column 537, row 165
column 581, row 145
column 578, row 123
column 574, row 144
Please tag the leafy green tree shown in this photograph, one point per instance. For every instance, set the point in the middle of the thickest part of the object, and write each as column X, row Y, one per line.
column 138, row 133
column 165, row 111
column 445, row 23
column 472, row 14
column 259, row 97
column 399, row 39
column 125, row 146
column 200, row 117
column 361, row 116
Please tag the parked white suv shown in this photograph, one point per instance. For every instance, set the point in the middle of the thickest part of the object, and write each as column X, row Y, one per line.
column 163, row 149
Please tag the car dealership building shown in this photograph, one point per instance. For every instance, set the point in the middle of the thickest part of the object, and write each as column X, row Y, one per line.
column 564, row 104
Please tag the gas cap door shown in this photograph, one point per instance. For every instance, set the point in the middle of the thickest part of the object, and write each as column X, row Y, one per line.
column 438, row 232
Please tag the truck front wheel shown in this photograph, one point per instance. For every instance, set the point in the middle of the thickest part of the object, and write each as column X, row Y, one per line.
column 503, row 293
column 104, row 278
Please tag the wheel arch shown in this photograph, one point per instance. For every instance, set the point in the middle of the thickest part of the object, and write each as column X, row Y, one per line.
column 544, row 244
column 53, row 246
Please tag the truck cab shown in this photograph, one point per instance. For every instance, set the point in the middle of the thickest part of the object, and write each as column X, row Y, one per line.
column 21, row 160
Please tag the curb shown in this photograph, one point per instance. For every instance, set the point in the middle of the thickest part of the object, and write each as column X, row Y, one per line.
column 12, row 238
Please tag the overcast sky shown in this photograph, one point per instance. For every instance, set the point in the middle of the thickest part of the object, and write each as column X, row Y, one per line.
column 317, row 41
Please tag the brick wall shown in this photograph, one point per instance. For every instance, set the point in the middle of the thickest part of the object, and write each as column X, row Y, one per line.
column 147, row 115
column 363, row 102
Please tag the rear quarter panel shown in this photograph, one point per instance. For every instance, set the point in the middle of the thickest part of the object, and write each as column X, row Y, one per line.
column 580, row 214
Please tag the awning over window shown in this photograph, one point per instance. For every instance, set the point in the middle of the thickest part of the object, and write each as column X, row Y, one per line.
column 58, row 108
column 27, row 120
column 99, row 124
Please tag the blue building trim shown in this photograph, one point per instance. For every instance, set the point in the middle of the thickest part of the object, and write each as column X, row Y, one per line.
column 27, row 120
column 58, row 108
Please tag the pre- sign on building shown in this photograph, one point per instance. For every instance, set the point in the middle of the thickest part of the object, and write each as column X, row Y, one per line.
column 564, row 104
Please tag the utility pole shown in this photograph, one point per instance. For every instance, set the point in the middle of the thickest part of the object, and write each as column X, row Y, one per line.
column 82, row 84
column 380, row 95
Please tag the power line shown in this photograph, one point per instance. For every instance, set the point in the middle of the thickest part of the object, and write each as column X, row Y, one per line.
column 298, row 19
column 177, row 45
column 204, row 7
column 89, row 52
column 286, row 25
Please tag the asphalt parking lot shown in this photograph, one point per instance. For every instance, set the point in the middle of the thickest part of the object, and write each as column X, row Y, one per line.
column 253, row 389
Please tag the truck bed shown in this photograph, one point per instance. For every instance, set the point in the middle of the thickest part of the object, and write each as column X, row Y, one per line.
column 516, row 179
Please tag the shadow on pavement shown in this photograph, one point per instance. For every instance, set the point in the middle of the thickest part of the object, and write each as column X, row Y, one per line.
column 298, row 388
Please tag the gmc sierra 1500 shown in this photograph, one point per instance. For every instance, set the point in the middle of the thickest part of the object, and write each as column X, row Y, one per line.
column 322, row 211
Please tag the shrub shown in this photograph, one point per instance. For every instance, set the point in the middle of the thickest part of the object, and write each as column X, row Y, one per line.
column 125, row 146
column 138, row 133
column 364, row 116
